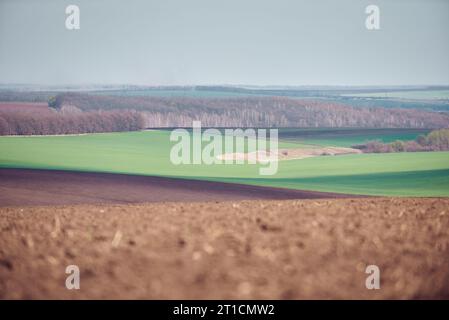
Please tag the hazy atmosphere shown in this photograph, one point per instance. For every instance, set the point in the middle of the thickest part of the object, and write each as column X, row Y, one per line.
column 256, row 42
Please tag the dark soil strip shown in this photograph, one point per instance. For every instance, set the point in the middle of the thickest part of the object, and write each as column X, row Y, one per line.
column 51, row 187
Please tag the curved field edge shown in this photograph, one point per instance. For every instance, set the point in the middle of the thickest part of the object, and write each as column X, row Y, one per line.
column 147, row 153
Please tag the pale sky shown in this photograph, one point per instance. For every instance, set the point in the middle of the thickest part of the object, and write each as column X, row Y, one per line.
column 258, row 42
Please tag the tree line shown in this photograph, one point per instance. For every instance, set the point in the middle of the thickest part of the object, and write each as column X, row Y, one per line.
column 436, row 140
column 48, row 123
column 71, row 113
column 255, row 112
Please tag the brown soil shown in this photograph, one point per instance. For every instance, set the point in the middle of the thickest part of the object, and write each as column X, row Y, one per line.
column 48, row 187
column 289, row 249
column 303, row 153
column 289, row 154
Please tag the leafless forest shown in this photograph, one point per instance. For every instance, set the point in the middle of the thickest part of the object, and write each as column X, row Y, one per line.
column 69, row 113
column 29, row 119
column 255, row 112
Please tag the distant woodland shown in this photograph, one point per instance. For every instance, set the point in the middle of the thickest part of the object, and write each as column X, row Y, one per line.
column 437, row 140
column 254, row 112
column 47, row 122
column 70, row 113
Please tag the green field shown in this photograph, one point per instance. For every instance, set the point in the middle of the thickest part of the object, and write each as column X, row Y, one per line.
column 147, row 153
